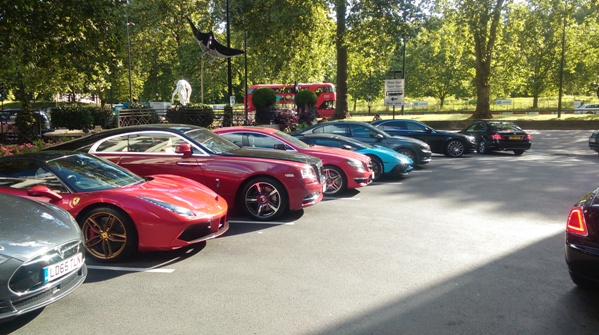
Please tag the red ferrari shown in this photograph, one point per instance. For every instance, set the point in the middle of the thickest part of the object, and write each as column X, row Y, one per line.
column 119, row 212
column 343, row 169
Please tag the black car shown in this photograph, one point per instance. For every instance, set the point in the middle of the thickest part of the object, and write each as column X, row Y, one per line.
column 415, row 149
column 594, row 141
column 498, row 136
column 582, row 241
column 441, row 142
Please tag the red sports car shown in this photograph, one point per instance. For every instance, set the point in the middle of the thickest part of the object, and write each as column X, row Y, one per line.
column 263, row 184
column 118, row 211
column 343, row 169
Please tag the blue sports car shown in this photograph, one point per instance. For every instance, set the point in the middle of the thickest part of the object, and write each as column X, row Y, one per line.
column 384, row 160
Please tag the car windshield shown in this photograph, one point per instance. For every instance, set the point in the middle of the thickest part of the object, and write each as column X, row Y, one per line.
column 212, row 142
column 83, row 173
column 504, row 127
column 292, row 140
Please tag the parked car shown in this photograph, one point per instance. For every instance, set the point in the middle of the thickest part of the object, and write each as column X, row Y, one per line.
column 119, row 212
column 42, row 258
column 441, row 142
column 594, row 141
column 587, row 109
column 418, row 151
column 263, row 184
column 342, row 169
column 384, row 160
column 498, row 136
column 582, row 241
column 9, row 130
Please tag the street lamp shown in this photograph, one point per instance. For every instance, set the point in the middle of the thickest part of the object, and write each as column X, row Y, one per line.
column 129, row 59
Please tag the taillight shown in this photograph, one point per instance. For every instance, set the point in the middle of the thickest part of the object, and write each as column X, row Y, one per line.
column 576, row 222
column 528, row 137
column 496, row 137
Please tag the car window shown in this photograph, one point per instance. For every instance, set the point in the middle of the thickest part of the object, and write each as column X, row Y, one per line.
column 236, row 138
column 394, row 125
column 359, row 131
column 476, row 128
column 160, row 143
column 415, row 126
column 24, row 175
column 262, row 141
column 331, row 129
column 327, row 142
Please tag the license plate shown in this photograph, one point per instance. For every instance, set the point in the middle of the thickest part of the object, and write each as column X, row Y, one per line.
column 515, row 138
column 63, row 268
column 592, row 140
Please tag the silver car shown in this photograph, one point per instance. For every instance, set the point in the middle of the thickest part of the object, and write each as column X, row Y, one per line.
column 42, row 258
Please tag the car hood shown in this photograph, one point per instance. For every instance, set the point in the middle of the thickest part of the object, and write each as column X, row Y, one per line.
column 274, row 154
column 405, row 139
column 178, row 191
column 29, row 228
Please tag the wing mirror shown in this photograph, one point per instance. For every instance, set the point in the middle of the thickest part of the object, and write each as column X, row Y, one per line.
column 379, row 137
column 43, row 191
column 185, row 149
column 279, row 146
column 346, row 147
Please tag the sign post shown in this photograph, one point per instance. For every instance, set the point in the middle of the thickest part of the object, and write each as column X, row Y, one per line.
column 394, row 93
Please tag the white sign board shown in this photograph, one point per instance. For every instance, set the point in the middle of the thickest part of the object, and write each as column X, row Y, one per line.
column 232, row 101
column 394, row 92
column 503, row 102
column 420, row 103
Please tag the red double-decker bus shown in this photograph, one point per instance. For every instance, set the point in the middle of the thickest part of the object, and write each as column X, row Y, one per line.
column 325, row 93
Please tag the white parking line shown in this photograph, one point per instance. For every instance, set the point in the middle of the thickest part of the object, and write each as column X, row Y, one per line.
column 264, row 222
column 126, row 269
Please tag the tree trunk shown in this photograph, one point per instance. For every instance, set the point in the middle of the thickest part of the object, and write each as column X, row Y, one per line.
column 342, row 105
column 483, row 88
column 535, row 101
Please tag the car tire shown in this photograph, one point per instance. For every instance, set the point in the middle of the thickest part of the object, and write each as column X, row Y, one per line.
column 454, row 148
column 335, row 179
column 409, row 153
column 377, row 167
column 264, row 199
column 109, row 234
column 481, row 148
column 518, row 152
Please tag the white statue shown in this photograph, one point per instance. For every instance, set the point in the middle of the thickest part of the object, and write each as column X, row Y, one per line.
column 184, row 90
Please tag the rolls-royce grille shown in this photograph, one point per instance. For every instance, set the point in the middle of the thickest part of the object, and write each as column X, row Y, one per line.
column 30, row 276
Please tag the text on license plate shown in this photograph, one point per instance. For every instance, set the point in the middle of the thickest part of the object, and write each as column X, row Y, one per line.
column 514, row 138
column 63, row 268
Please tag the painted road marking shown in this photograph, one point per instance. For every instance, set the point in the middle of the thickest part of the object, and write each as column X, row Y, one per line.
column 127, row 269
column 271, row 223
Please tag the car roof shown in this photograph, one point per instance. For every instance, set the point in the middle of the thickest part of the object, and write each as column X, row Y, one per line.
column 41, row 156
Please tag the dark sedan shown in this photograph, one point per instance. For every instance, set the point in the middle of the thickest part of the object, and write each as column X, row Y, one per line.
column 582, row 241
column 418, row 151
column 498, row 136
column 42, row 258
column 441, row 142
column 594, row 141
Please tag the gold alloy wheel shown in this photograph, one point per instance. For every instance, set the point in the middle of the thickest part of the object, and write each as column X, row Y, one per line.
column 105, row 235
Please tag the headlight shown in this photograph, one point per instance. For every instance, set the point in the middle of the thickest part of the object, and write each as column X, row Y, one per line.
column 356, row 164
column 471, row 139
column 425, row 147
column 173, row 208
column 308, row 173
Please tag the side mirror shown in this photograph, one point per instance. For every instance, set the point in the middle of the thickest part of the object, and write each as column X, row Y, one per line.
column 428, row 130
column 184, row 149
column 43, row 191
column 279, row 146
column 346, row 147
column 379, row 137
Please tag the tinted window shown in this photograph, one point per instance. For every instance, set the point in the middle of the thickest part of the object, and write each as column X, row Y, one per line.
column 359, row 131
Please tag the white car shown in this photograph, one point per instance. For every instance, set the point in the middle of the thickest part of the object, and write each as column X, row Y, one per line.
column 587, row 109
